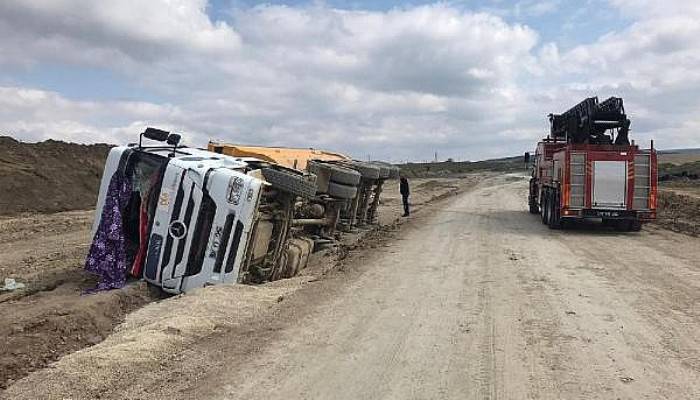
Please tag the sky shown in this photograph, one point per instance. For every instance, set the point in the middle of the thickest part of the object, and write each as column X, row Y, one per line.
column 384, row 79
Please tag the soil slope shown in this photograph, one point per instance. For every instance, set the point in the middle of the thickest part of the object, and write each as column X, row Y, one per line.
column 49, row 176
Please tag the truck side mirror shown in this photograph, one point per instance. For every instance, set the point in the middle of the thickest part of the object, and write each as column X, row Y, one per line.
column 526, row 158
column 173, row 139
column 156, row 134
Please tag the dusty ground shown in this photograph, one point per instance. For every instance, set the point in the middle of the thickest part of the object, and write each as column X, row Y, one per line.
column 476, row 299
column 50, row 318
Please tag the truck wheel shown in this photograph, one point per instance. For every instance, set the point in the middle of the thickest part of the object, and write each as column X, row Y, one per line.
column 342, row 191
column 394, row 171
column 636, row 226
column 544, row 207
column 534, row 209
column 628, row 226
column 622, row 225
column 554, row 212
column 533, row 206
column 384, row 171
column 550, row 209
column 338, row 174
column 367, row 170
column 288, row 181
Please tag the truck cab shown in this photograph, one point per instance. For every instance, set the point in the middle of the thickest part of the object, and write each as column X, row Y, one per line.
column 196, row 218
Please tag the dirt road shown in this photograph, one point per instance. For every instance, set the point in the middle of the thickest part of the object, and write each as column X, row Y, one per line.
column 476, row 300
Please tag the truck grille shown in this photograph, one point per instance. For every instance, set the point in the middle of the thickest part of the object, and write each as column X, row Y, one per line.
column 642, row 182
column 578, row 180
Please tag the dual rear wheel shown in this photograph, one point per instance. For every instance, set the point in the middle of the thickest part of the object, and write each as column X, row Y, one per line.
column 550, row 210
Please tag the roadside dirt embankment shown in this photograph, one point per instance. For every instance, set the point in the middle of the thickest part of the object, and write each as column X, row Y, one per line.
column 49, row 176
column 679, row 210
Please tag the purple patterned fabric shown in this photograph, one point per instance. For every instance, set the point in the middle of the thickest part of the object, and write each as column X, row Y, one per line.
column 107, row 255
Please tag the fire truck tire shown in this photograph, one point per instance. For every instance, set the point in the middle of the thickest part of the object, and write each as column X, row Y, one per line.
column 342, row 191
column 533, row 207
column 367, row 170
column 626, row 225
column 554, row 211
column 288, row 181
column 622, row 225
column 636, row 226
column 544, row 207
column 338, row 174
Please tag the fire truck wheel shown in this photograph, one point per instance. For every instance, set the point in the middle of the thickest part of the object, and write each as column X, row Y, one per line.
column 544, row 207
column 342, row 191
column 628, row 226
column 288, row 181
column 338, row 174
column 622, row 225
column 554, row 216
column 636, row 226
column 533, row 207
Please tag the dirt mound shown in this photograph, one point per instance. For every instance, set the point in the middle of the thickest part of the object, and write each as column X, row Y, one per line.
column 679, row 212
column 49, row 176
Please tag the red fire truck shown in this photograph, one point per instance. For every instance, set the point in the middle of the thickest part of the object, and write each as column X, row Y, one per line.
column 588, row 169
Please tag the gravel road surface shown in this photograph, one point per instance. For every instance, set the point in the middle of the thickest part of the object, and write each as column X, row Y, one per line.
column 473, row 300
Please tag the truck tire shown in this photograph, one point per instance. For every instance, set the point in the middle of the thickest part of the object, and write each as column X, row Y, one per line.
column 384, row 171
column 342, row 191
column 394, row 171
column 288, row 181
column 338, row 174
column 534, row 209
column 543, row 207
column 627, row 225
column 367, row 170
column 636, row 226
column 555, row 211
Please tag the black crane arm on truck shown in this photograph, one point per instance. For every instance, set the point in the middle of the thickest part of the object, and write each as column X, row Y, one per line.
column 589, row 120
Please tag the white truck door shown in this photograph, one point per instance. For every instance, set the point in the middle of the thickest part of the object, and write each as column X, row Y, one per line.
column 609, row 184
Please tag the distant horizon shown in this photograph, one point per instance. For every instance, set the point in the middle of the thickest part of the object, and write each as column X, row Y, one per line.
column 423, row 161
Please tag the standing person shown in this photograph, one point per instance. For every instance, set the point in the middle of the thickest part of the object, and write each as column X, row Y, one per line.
column 403, row 188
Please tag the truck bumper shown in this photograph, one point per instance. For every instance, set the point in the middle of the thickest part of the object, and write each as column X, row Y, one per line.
column 644, row 216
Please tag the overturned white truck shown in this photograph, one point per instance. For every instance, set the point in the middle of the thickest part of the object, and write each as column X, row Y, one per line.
column 195, row 217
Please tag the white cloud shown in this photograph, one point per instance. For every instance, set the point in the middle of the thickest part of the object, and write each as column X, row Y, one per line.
column 653, row 63
column 392, row 83
column 108, row 33
column 396, row 84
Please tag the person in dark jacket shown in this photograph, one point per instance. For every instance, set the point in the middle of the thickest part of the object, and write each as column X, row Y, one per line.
column 405, row 191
